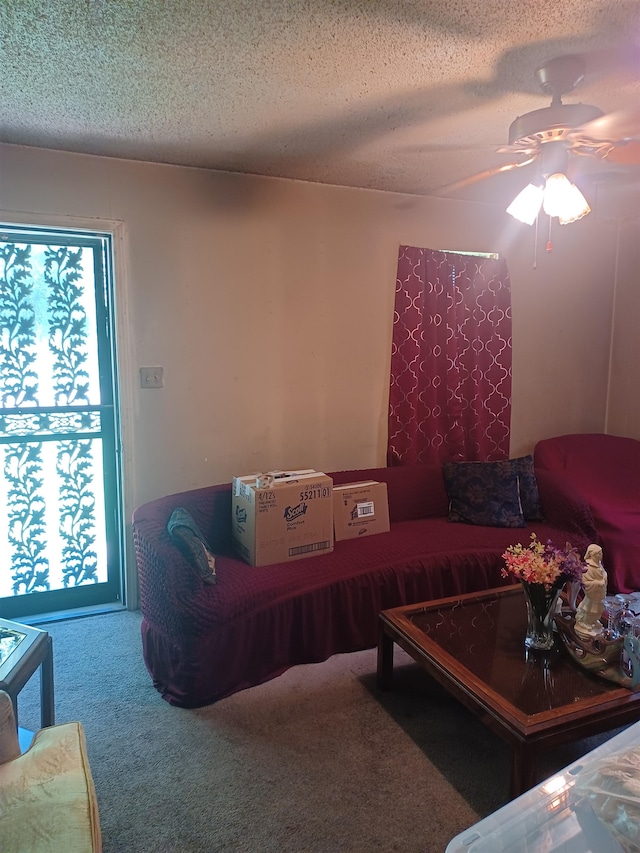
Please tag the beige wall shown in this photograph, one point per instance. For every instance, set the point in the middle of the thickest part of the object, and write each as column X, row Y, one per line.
column 623, row 416
column 269, row 305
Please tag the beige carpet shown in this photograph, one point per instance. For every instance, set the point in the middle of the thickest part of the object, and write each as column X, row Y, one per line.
column 315, row 760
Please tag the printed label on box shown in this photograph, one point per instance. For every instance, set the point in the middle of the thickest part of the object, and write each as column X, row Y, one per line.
column 360, row 509
column 363, row 509
column 290, row 518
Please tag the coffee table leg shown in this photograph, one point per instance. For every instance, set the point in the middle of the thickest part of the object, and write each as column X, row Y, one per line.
column 385, row 660
column 523, row 769
column 47, row 711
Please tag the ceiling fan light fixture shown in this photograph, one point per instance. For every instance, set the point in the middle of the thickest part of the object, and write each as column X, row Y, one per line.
column 526, row 205
column 563, row 199
column 577, row 207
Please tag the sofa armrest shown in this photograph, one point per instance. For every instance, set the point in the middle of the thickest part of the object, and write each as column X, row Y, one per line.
column 564, row 507
column 169, row 586
column 172, row 594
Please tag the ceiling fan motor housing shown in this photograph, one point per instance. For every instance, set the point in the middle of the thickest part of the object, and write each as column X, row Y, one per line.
column 550, row 123
column 560, row 75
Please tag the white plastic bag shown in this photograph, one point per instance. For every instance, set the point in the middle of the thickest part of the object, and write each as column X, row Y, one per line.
column 610, row 790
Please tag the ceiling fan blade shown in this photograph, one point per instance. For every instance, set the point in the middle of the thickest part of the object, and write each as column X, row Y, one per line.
column 627, row 154
column 481, row 176
column 437, row 148
column 517, row 149
column 615, row 127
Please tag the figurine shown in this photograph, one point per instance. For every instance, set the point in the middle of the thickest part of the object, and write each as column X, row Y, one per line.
column 594, row 581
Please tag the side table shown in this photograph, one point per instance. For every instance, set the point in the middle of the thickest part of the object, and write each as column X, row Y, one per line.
column 22, row 650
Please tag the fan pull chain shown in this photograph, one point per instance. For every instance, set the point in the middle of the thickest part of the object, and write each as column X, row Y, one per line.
column 549, row 243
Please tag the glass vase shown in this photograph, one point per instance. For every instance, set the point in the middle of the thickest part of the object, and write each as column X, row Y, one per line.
column 541, row 605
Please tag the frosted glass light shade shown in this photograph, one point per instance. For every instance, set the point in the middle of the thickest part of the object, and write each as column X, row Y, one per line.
column 575, row 208
column 563, row 199
column 559, row 197
column 526, row 205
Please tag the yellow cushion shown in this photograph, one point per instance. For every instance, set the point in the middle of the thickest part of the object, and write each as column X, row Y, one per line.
column 47, row 797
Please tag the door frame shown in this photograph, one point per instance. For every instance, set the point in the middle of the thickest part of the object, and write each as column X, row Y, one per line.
column 124, row 369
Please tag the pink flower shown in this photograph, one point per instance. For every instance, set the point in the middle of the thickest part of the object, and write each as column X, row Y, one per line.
column 544, row 564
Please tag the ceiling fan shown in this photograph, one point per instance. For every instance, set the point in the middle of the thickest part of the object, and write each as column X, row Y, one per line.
column 555, row 139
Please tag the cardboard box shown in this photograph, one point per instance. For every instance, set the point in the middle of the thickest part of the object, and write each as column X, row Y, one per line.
column 359, row 509
column 282, row 516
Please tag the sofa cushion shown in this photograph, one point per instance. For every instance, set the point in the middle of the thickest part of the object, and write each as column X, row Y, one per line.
column 486, row 493
column 414, row 491
column 47, row 796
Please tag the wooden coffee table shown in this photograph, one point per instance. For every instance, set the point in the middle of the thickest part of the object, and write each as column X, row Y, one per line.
column 473, row 645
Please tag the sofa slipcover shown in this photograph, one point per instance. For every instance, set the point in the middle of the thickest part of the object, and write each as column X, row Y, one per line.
column 605, row 471
column 202, row 642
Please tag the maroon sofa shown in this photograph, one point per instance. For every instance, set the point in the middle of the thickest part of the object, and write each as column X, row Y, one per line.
column 202, row 642
column 605, row 470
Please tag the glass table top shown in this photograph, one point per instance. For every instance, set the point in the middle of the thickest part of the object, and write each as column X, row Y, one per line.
column 485, row 634
column 9, row 641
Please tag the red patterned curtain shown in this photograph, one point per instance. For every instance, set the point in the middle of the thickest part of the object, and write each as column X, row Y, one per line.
column 450, row 396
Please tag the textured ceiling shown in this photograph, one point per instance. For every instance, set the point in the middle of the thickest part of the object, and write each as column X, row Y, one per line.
column 402, row 96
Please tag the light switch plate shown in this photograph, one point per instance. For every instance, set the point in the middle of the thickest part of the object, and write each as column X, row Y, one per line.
column 151, row 377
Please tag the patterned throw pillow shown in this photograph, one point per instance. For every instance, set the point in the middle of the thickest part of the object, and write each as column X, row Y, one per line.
column 485, row 493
